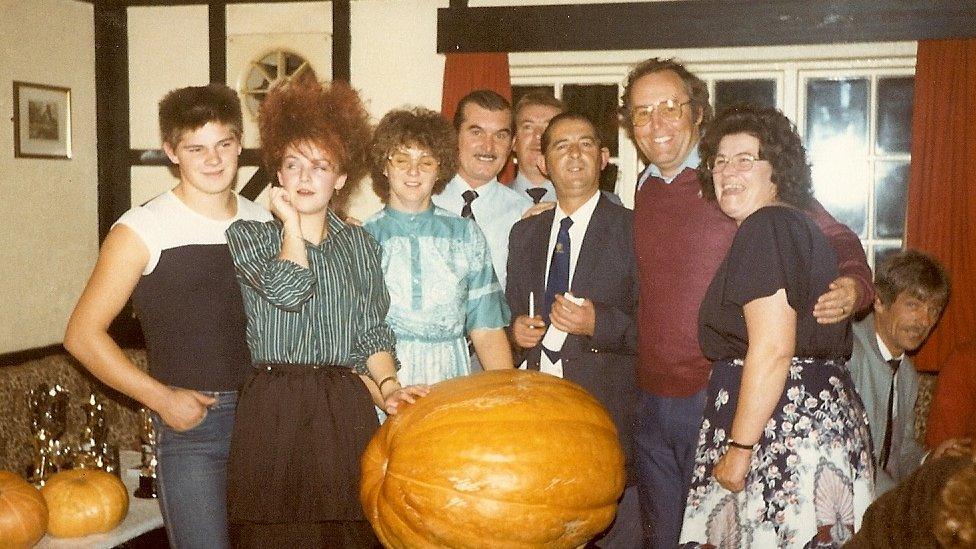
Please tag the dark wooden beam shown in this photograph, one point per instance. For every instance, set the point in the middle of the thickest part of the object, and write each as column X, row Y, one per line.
column 217, row 13
column 111, row 113
column 37, row 353
column 701, row 23
column 156, row 157
column 341, row 40
column 256, row 184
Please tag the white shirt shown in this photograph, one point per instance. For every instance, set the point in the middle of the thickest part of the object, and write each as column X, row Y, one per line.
column 495, row 210
column 554, row 337
column 886, row 355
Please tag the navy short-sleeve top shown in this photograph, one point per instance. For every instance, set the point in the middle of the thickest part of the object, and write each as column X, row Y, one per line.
column 777, row 247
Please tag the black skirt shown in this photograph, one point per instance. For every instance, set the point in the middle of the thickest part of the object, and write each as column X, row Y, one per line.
column 293, row 471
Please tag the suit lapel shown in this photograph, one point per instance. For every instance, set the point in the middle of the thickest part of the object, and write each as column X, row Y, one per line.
column 537, row 270
column 590, row 252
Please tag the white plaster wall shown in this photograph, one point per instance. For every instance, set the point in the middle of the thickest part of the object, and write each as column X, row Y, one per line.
column 394, row 62
column 48, row 215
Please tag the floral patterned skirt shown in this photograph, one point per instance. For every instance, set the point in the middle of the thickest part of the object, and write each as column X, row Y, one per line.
column 811, row 477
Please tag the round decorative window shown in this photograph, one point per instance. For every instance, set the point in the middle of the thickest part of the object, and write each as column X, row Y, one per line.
column 278, row 67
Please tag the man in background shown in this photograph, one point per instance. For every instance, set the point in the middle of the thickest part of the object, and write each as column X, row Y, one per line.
column 533, row 111
column 912, row 290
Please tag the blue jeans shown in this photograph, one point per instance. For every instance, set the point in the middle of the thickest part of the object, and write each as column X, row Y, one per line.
column 192, row 477
column 665, row 441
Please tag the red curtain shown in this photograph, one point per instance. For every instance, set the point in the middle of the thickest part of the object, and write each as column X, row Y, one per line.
column 941, row 218
column 466, row 72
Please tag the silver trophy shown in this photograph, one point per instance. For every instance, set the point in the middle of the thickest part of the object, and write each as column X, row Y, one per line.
column 94, row 451
column 147, row 471
column 48, row 408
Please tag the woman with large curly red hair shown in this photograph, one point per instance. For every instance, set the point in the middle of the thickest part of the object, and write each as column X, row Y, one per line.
column 316, row 302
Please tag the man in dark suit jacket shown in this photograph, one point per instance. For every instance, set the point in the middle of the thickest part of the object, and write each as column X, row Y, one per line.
column 590, row 336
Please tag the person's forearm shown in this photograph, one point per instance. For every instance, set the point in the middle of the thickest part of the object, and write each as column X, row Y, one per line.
column 771, row 331
column 763, row 379
column 382, row 369
column 293, row 246
column 492, row 349
column 98, row 353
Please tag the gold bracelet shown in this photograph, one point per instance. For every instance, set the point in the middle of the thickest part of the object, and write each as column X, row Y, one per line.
column 383, row 382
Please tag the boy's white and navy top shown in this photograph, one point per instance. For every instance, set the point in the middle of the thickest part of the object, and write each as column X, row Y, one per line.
column 188, row 299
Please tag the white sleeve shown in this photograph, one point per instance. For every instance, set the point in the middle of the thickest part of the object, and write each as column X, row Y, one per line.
column 142, row 221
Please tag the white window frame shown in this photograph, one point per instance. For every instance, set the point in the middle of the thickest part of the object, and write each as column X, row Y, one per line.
column 789, row 66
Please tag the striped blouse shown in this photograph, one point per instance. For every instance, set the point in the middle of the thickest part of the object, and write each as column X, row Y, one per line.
column 331, row 313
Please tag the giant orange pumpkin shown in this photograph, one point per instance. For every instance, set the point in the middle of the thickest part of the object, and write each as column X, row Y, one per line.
column 23, row 513
column 84, row 501
column 505, row 458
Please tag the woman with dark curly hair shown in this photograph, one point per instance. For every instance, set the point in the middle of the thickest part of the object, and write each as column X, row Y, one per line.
column 437, row 265
column 783, row 456
column 315, row 302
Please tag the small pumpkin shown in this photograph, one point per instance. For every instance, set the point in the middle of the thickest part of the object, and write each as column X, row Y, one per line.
column 507, row 458
column 23, row 512
column 84, row 501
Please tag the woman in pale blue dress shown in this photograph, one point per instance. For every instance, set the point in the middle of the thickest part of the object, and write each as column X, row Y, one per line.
column 437, row 265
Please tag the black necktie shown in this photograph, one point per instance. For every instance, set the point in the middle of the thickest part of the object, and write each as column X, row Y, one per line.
column 886, row 449
column 558, row 280
column 536, row 193
column 468, row 197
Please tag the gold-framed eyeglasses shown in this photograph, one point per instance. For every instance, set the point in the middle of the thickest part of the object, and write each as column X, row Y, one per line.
column 669, row 109
column 741, row 162
column 403, row 161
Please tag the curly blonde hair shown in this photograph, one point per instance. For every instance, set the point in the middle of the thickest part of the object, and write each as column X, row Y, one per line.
column 333, row 119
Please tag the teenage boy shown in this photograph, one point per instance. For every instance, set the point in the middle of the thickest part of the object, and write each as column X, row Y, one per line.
column 170, row 257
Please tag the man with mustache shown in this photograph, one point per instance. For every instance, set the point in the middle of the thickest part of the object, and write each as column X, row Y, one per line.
column 911, row 291
column 483, row 120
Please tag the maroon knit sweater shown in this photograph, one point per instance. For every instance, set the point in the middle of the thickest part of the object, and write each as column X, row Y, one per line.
column 681, row 239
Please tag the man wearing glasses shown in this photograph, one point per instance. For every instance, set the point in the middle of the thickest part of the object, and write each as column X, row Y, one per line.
column 680, row 239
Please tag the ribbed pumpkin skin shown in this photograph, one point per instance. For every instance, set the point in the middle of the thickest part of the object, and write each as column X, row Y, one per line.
column 23, row 513
column 500, row 459
column 83, row 502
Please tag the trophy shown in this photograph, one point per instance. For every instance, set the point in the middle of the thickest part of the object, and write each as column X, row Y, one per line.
column 94, row 451
column 48, row 408
column 147, row 471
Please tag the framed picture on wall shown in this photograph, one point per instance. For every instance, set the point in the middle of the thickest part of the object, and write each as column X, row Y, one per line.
column 42, row 121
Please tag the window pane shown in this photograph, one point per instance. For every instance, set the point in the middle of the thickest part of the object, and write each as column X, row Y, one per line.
column 599, row 102
column 842, row 188
column 837, row 117
column 881, row 251
column 895, row 97
column 760, row 92
column 519, row 91
column 890, row 199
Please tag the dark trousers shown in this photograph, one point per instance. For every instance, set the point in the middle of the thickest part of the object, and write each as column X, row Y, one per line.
column 665, row 441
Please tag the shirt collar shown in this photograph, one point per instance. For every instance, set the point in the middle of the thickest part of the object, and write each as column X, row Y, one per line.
column 885, row 353
column 483, row 190
column 401, row 215
column 581, row 217
column 691, row 161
